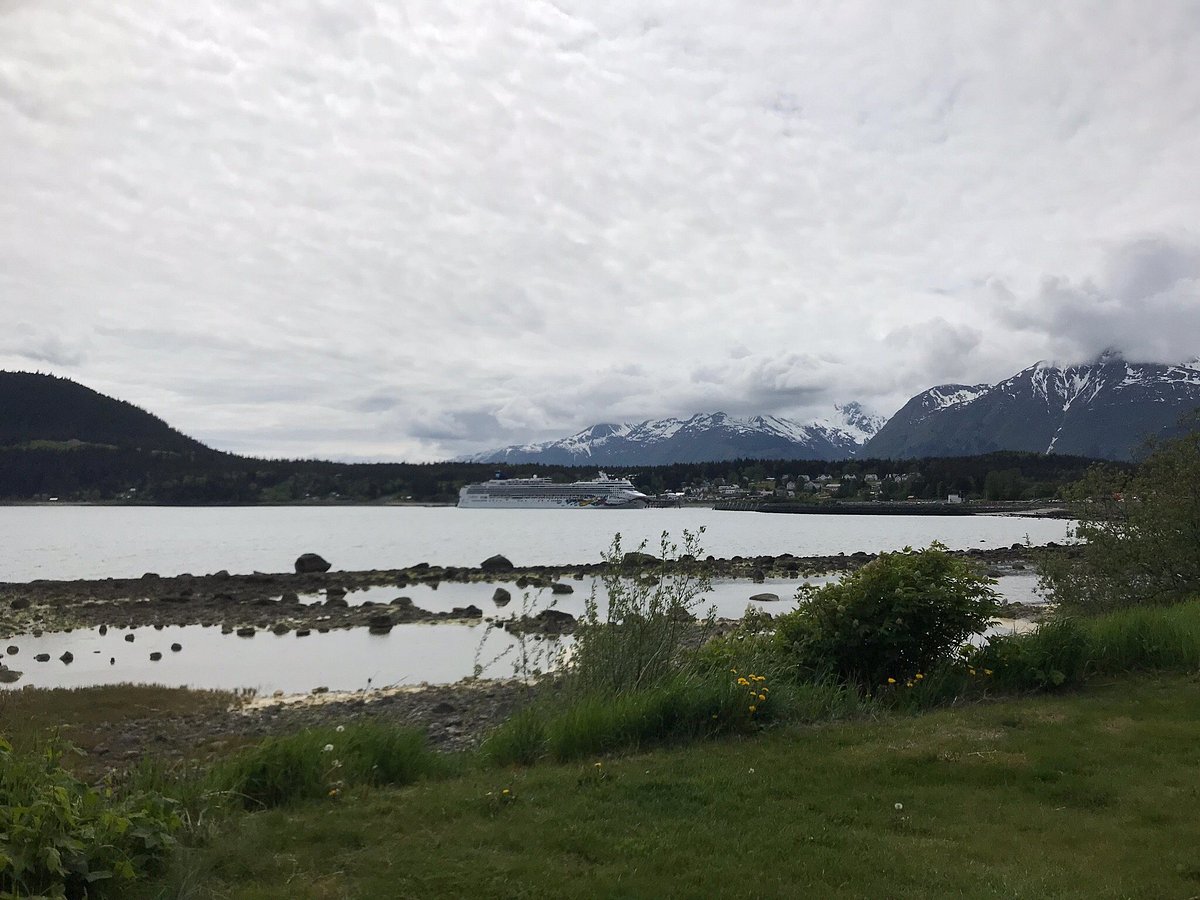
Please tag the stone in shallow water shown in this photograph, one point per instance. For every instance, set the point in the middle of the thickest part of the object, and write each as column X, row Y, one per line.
column 765, row 598
column 155, row 656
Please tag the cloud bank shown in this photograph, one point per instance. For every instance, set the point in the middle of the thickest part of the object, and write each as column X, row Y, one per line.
column 360, row 229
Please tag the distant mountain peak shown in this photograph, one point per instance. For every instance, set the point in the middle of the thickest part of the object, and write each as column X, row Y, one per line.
column 1103, row 409
column 702, row 437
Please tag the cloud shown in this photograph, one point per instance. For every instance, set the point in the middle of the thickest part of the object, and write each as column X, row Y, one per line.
column 412, row 231
column 1145, row 303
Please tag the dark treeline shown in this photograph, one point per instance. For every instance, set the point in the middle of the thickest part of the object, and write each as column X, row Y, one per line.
column 89, row 472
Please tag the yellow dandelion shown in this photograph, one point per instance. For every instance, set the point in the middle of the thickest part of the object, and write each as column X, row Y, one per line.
column 599, row 765
column 753, row 708
column 762, row 697
column 743, row 682
column 987, row 671
column 908, row 684
column 891, row 680
column 972, row 671
column 505, row 791
column 918, row 676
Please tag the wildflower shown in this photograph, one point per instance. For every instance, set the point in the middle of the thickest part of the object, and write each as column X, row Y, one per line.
column 743, row 682
column 909, row 683
column 328, row 748
column 753, row 708
column 505, row 792
column 599, row 765
column 340, row 729
column 918, row 676
column 762, row 697
column 972, row 671
column 987, row 671
column 891, row 680
column 899, row 806
column 333, row 792
column 751, row 771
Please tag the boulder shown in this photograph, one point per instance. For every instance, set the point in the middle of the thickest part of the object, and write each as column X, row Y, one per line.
column 20, row 603
column 403, row 602
column 496, row 563
column 637, row 560
column 765, row 598
column 103, row 629
column 466, row 612
column 379, row 619
column 68, row 657
column 175, row 648
column 12, row 650
column 501, row 597
column 309, row 563
column 281, row 628
column 245, row 632
column 155, row 656
column 303, row 632
column 8, row 676
column 42, row 657
column 129, row 637
column 560, row 588
column 554, row 619
column 290, row 598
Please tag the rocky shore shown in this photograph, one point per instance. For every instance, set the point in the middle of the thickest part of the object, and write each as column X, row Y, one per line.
column 273, row 602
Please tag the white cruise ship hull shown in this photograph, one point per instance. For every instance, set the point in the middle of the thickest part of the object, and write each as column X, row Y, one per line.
column 542, row 493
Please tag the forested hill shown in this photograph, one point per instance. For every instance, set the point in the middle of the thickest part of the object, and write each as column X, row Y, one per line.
column 44, row 408
column 60, row 440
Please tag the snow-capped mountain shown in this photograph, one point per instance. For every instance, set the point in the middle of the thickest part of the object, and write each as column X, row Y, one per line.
column 702, row 438
column 1106, row 409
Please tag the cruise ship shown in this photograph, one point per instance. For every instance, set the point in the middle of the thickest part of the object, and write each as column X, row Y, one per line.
column 602, row 492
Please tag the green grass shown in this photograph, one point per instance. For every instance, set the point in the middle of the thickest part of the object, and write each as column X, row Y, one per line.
column 1088, row 794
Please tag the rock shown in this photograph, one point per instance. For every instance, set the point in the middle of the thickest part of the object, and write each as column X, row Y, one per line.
column 383, row 628
column 245, row 632
column 43, row 657
column 320, row 690
column 501, row 597
column 466, row 612
column 496, row 563
column 12, row 650
column 637, row 560
column 554, row 619
column 175, row 648
column 221, row 574
column 765, row 598
column 403, row 602
column 303, row 632
column 522, row 583
column 67, row 658
column 379, row 619
column 151, row 576
column 103, row 629
column 290, row 597
column 155, row 656
column 560, row 588
column 8, row 676
column 20, row 603
column 309, row 563
column 112, row 660
column 335, row 593
column 129, row 637
column 281, row 628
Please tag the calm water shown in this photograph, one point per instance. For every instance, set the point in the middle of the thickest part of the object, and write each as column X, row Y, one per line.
column 350, row 659
column 99, row 542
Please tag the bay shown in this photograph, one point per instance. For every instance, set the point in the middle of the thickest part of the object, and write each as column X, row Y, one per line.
column 72, row 542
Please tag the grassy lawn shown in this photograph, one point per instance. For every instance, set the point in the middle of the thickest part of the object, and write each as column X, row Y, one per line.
column 1092, row 794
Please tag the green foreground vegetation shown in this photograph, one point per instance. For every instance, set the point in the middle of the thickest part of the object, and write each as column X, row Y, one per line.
column 853, row 747
column 1079, row 795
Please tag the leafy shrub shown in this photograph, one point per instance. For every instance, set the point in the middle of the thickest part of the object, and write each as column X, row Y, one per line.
column 900, row 614
column 62, row 838
column 1138, row 534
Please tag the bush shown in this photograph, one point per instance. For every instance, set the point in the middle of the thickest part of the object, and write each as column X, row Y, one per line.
column 899, row 615
column 62, row 838
column 1139, row 534
column 1056, row 654
column 652, row 602
column 322, row 762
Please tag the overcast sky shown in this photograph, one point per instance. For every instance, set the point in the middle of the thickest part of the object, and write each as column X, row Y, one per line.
column 412, row 229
